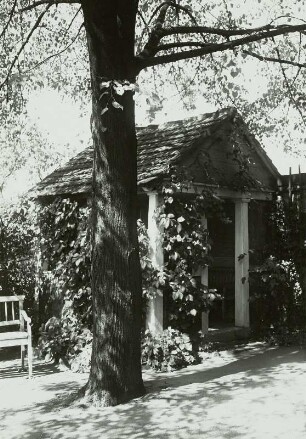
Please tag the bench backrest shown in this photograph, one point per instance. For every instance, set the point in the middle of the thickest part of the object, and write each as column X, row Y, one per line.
column 10, row 310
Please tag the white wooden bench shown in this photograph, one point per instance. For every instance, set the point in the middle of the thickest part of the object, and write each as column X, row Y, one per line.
column 12, row 314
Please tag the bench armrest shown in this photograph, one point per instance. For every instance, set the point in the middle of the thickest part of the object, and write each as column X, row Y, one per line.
column 26, row 317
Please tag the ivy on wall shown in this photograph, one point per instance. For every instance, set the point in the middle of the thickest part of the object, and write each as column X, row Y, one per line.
column 186, row 249
column 65, row 259
column 65, row 317
column 64, row 286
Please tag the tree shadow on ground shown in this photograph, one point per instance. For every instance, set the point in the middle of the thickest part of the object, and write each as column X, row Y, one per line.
column 39, row 370
column 249, row 361
column 193, row 402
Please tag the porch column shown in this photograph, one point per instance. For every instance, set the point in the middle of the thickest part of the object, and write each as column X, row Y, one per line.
column 155, row 308
column 204, row 280
column 242, row 263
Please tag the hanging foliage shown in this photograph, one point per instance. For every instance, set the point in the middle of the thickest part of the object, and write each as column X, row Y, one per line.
column 186, row 249
column 65, row 256
column 17, row 252
column 64, row 280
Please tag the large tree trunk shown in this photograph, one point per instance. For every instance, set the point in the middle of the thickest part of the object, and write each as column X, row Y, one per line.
column 115, row 374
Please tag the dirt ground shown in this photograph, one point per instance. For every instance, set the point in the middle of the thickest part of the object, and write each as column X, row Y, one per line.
column 254, row 391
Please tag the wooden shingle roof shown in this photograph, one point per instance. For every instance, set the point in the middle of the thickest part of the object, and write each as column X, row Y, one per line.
column 160, row 146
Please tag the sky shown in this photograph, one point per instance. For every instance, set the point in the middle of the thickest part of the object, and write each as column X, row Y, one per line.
column 57, row 118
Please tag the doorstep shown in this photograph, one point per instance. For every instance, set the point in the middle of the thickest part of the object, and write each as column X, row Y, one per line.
column 230, row 333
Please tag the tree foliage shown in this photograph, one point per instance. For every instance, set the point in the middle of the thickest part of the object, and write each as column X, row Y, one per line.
column 27, row 66
column 17, row 254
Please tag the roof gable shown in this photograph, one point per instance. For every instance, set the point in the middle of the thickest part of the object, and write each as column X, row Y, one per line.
column 202, row 143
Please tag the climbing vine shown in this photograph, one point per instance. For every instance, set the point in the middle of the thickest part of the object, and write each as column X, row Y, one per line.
column 65, row 255
column 64, row 286
column 242, row 180
column 186, row 248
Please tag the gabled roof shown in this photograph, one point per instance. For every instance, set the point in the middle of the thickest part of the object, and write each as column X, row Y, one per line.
column 171, row 143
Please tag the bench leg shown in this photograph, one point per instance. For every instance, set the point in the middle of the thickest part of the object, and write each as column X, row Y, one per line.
column 30, row 358
column 22, row 348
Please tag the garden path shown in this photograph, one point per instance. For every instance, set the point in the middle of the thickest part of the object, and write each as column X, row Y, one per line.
column 254, row 391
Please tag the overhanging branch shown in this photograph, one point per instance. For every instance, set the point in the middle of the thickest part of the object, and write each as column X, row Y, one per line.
column 35, row 26
column 47, row 2
column 60, row 52
column 143, row 62
column 175, row 6
column 180, row 44
column 291, row 95
column 12, row 12
column 179, row 30
column 157, row 33
column 275, row 60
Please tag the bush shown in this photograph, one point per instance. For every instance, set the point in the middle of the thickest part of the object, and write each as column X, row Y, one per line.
column 276, row 295
column 168, row 351
column 82, row 361
column 63, row 338
column 65, row 253
column 285, row 337
column 17, row 253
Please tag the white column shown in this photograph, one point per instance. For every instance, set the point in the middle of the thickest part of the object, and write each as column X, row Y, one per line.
column 155, row 312
column 242, row 263
column 204, row 280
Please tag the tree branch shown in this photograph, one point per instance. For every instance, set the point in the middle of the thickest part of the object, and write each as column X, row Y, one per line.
column 57, row 53
column 12, row 11
column 36, row 25
column 158, row 8
column 156, row 33
column 177, row 30
column 143, row 62
column 71, row 22
column 292, row 98
column 272, row 59
column 143, row 19
column 184, row 9
column 47, row 2
column 180, row 44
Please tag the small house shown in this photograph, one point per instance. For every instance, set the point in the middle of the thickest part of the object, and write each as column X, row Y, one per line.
column 219, row 152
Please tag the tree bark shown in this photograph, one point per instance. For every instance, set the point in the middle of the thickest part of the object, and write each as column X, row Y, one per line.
column 115, row 374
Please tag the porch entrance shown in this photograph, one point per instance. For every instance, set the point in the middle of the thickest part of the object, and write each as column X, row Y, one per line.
column 221, row 274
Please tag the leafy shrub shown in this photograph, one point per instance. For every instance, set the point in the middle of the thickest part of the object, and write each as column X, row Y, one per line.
column 17, row 263
column 65, row 254
column 63, row 338
column 276, row 294
column 168, row 351
column 18, row 233
column 285, row 337
column 81, row 362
